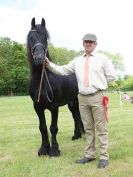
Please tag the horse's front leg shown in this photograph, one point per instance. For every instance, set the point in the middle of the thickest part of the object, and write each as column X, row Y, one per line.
column 45, row 146
column 54, row 149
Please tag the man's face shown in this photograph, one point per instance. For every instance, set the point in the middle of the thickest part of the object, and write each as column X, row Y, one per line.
column 89, row 46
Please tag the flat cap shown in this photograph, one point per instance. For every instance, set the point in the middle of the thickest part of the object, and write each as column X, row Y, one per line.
column 89, row 37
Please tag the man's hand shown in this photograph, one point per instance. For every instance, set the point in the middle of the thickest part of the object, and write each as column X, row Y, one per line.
column 46, row 62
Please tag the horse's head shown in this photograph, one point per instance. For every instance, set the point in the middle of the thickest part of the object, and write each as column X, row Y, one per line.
column 37, row 41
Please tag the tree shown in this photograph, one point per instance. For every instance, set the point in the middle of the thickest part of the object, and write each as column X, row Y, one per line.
column 5, row 56
column 19, row 69
column 127, row 84
column 13, row 67
column 117, row 60
column 61, row 55
column 14, row 70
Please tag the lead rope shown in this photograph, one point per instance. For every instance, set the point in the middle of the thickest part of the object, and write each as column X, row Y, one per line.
column 40, row 86
column 47, row 81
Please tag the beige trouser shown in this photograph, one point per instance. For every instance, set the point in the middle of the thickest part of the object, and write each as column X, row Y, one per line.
column 93, row 117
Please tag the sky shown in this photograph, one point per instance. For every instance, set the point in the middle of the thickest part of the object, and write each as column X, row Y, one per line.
column 68, row 20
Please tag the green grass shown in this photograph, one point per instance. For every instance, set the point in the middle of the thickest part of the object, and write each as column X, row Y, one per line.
column 20, row 139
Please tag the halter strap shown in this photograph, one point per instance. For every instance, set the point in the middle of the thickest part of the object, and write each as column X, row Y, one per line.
column 37, row 44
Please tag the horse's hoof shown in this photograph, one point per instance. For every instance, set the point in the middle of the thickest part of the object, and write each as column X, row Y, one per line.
column 43, row 151
column 75, row 137
column 54, row 152
column 41, row 154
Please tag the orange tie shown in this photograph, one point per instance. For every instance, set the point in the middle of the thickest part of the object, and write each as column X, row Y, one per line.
column 86, row 72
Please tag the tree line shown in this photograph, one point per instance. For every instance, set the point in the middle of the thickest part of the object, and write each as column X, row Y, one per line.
column 14, row 69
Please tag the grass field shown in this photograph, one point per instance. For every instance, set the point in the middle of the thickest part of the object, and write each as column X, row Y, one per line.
column 20, row 139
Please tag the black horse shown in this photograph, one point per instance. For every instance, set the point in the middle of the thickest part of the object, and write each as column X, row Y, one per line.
column 48, row 90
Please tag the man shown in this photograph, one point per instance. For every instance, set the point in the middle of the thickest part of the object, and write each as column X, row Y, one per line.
column 93, row 72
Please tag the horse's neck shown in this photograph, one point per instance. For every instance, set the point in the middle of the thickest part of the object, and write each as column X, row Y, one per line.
column 36, row 72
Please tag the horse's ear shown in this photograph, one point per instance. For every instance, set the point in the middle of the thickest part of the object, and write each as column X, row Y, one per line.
column 43, row 22
column 33, row 23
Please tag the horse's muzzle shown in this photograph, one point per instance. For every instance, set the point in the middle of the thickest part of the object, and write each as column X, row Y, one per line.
column 39, row 61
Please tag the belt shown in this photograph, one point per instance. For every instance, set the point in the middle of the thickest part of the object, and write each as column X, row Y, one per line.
column 91, row 93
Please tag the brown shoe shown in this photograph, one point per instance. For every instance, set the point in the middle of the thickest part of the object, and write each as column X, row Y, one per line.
column 84, row 160
column 103, row 163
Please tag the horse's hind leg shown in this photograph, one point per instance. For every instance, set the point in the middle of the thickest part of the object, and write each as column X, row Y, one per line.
column 78, row 125
column 45, row 146
column 54, row 149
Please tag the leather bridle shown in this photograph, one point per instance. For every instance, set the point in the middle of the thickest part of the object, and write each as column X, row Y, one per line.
column 37, row 44
column 43, row 72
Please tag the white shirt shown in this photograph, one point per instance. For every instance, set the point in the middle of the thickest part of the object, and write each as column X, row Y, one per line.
column 101, row 72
